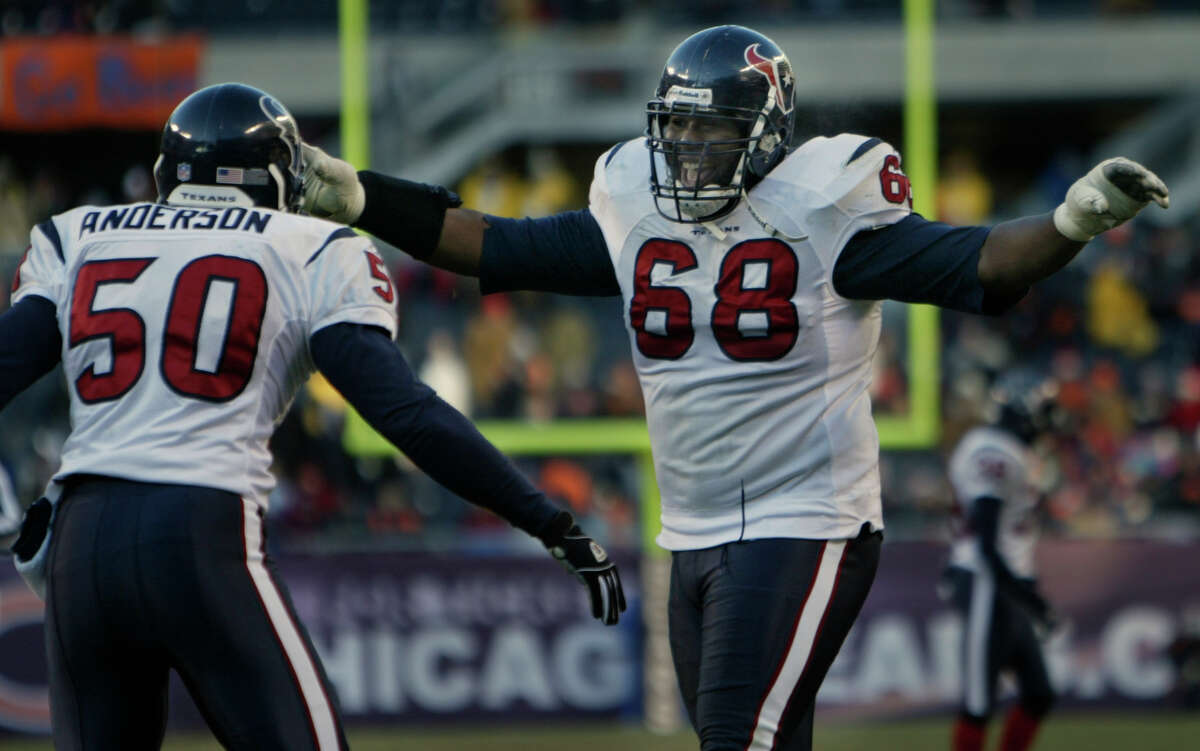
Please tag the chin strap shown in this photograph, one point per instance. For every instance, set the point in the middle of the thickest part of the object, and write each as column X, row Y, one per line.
column 767, row 225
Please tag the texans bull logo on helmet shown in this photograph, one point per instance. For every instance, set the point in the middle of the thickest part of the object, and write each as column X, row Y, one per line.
column 778, row 73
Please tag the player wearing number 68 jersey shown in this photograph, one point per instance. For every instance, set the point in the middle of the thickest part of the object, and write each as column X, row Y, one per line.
column 185, row 328
column 752, row 273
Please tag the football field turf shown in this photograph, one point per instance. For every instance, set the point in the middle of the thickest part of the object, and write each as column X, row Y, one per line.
column 1077, row 732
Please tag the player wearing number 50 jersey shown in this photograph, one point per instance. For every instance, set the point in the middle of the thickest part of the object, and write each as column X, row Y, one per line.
column 752, row 274
column 185, row 328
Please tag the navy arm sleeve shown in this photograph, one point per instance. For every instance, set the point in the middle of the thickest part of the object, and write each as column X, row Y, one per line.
column 365, row 366
column 916, row 260
column 985, row 521
column 30, row 345
column 563, row 253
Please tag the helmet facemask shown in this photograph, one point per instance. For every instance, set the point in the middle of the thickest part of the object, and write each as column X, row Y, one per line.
column 699, row 180
column 727, row 74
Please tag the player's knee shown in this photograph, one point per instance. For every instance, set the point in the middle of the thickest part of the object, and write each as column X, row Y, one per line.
column 722, row 737
column 715, row 742
column 969, row 717
column 1039, row 703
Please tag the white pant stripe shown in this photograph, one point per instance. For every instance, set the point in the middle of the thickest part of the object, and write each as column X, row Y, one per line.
column 307, row 676
column 811, row 614
column 979, row 625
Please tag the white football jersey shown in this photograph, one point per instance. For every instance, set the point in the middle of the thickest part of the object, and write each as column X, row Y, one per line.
column 185, row 331
column 755, row 372
column 992, row 463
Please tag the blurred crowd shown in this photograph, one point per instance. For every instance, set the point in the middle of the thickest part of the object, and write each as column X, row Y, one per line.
column 1119, row 329
column 239, row 16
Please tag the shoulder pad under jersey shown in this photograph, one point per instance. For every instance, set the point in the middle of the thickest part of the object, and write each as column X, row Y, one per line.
column 621, row 170
column 858, row 173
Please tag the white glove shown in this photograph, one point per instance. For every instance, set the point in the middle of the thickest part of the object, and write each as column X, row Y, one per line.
column 32, row 548
column 1111, row 193
column 331, row 187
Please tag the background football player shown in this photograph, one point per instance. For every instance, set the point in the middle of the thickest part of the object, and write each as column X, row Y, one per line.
column 185, row 328
column 991, row 573
column 752, row 274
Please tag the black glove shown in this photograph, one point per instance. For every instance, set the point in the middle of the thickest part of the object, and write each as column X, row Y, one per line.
column 1031, row 597
column 583, row 556
column 32, row 545
column 34, row 528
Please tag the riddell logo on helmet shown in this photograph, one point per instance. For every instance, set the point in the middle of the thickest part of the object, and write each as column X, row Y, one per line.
column 770, row 69
column 686, row 95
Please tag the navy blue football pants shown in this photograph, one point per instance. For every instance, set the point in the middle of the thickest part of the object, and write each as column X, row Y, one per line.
column 998, row 634
column 754, row 627
column 146, row 578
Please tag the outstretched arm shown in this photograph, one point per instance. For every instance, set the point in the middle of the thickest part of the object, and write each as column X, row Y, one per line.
column 365, row 367
column 987, row 269
column 564, row 253
column 460, row 245
column 1018, row 253
column 422, row 220
column 1023, row 251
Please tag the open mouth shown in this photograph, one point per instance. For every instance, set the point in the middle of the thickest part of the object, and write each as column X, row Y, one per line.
column 689, row 174
column 693, row 174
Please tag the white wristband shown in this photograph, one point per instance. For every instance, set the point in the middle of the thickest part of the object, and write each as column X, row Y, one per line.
column 1067, row 227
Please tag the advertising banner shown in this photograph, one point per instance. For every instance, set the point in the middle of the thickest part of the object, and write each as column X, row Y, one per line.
column 422, row 638
column 65, row 82
column 1122, row 602
column 410, row 637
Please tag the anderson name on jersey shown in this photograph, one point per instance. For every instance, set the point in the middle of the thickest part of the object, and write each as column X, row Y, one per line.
column 755, row 371
column 185, row 331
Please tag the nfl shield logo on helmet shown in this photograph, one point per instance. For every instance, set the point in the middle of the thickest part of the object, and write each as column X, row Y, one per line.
column 183, row 172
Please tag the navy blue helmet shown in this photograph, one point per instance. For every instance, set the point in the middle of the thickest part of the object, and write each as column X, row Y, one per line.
column 725, row 74
column 230, row 144
column 1025, row 403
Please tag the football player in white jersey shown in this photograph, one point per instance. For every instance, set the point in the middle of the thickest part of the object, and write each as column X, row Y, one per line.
column 752, row 274
column 185, row 328
column 991, row 573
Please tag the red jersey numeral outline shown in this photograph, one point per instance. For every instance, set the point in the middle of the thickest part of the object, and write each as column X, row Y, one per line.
column 379, row 271
column 126, row 330
column 773, row 298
